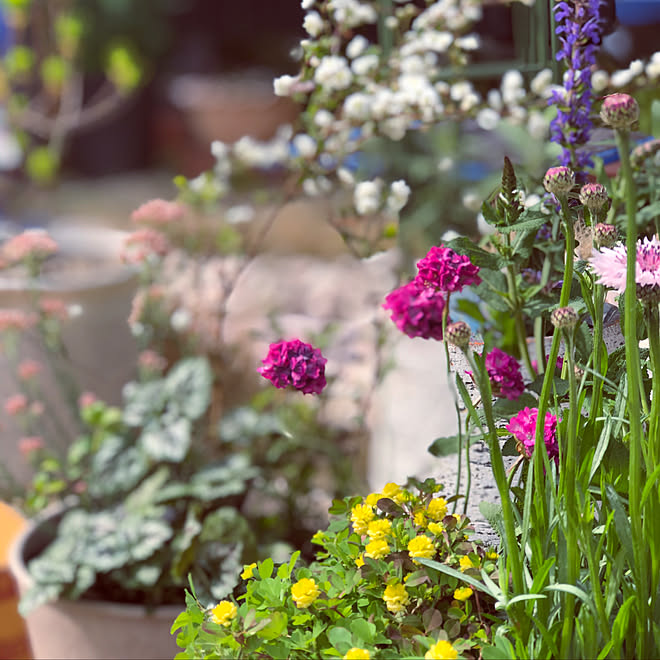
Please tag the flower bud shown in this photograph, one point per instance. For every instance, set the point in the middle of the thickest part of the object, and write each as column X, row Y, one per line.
column 559, row 180
column 459, row 334
column 605, row 235
column 564, row 317
column 593, row 196
column 648, row 294
column 619, row 110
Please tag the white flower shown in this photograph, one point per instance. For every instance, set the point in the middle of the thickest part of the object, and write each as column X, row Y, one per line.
column 398, row 197
column 305, row 145
column 356, row 46
column 653, row 67
column 357, row 106
column 394, row 128
column 512, row 87
column 352, row 13
column 470, row 101
column 307, row 4
column 518, row 114
column 367, row 196
column 362, row 65
column 391, row 22
column 488, row 119
column 324, row 118
column 636, row 67
column 599, row 80
column 468, row 42
column 460, row 90
column 537, row 125
column 284, row 85
column 449, row 235
column 494, row 99
column 345, row 176
column 180, row 319
column 240, row 213
column 310, row 188
column 74, row 310
column 541, row 82
column 313, row 24
column 531, row 200
column 445, row 164
column 621, row 78
column 333, row 73
column 471, row 201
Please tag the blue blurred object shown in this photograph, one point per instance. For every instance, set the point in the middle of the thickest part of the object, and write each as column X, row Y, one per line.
column 5, row 33
column 638, row 12
column 612, row 155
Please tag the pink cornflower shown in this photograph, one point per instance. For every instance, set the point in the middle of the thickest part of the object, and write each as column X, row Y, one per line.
column 417, row 310
column 30, row 444
column 158, row 212
column 446, row 270
column 16, row 319
column 523, row 428
column 142, row 244
column 610, row 266
column 16, row 404
column 31, row 244
column 297, row 364
column 504, row 372
column 27, row 369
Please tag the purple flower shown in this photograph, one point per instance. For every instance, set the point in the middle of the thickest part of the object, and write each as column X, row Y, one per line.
column 417, row 310
column 523, row 428
column 297, row 364
column 504, row 373
column 446, row 270
column 579, row 37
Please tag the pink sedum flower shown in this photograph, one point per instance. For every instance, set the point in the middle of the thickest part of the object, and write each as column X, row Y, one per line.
column 31, row 244
column 143, row 244
column 30, row 444
column 610, row 266
column 27, row 369
column 446, row 270
column 504, row 372
column 86, row 399
column 417, row 310
column 16, row 404
column 158, row 212
column 16, row 319
column 297, row 364
column 523, row 428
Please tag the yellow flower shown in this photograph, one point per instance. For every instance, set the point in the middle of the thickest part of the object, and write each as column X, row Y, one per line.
column 379, row 529
column 441, row 650
column 436, row 528
column 421, row 546
column 377, row 549
column 437, row 508
column 463, row 593
column 305, row 592
column 224, row 612
column 361, row 516
column 248, row 571
column 357, row 654
column 457, row 516
column 466, row 563
column 372, row 499
column 420, row 518
column 359, row 561
column 492, row 555
column 396, row 597
column 394, row 492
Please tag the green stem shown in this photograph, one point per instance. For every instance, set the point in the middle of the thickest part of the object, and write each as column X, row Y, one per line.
column 597, row 391
column 635, row 484
column 521, row 335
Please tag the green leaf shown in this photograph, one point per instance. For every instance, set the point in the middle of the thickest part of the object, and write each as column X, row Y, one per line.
column 166, row 440
column 364, row 631
column 188, row 387
column 478, row 256
column 265, row 568
column 621, row 522
column 444, row 446
column 340, row 638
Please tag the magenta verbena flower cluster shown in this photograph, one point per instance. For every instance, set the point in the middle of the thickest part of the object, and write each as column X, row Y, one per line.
column 523, row 428
column 504, row 373
column 296, row 364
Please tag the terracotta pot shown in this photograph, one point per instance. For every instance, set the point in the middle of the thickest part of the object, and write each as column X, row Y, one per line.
column 88, row 629
column 101, row 350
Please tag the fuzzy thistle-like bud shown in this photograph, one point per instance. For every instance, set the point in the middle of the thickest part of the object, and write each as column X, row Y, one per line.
column 593, row 196
column 619, row 111
column 564, row 317
column 559, row 180
column 459, row 334
column 605, row 235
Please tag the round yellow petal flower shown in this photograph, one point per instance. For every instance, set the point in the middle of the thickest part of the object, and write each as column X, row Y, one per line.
column 359, row 561
column 372, row 499
column 361, row 516
column 441, row 650
column 466, row 563
column 224, row 612
column 463, row 593
column 377, row 549
column 437, row 509
column 420, row 518
column 421, row 546
column 436, row 528
column 379, row 528
column 305, row 592
column 248, row 570
column 396, row 597
column 357, row 654
column 394, row 492
column 492, row 555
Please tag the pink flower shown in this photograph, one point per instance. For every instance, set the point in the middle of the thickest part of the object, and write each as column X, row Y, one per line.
column 504, row 373
column 86, row 399
column 558, row 365
column 28, row 369
column 16, row 319
column 37, row 408
column 16, row 404
column 31, row 244
column 296, row 364
column 54, row 308
column 28, row 445
column 446, row 270
column 142, row 244
column 523, row 428
column 610, row 266
column 417, row 310
column 158, row 212
column 151, row 361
